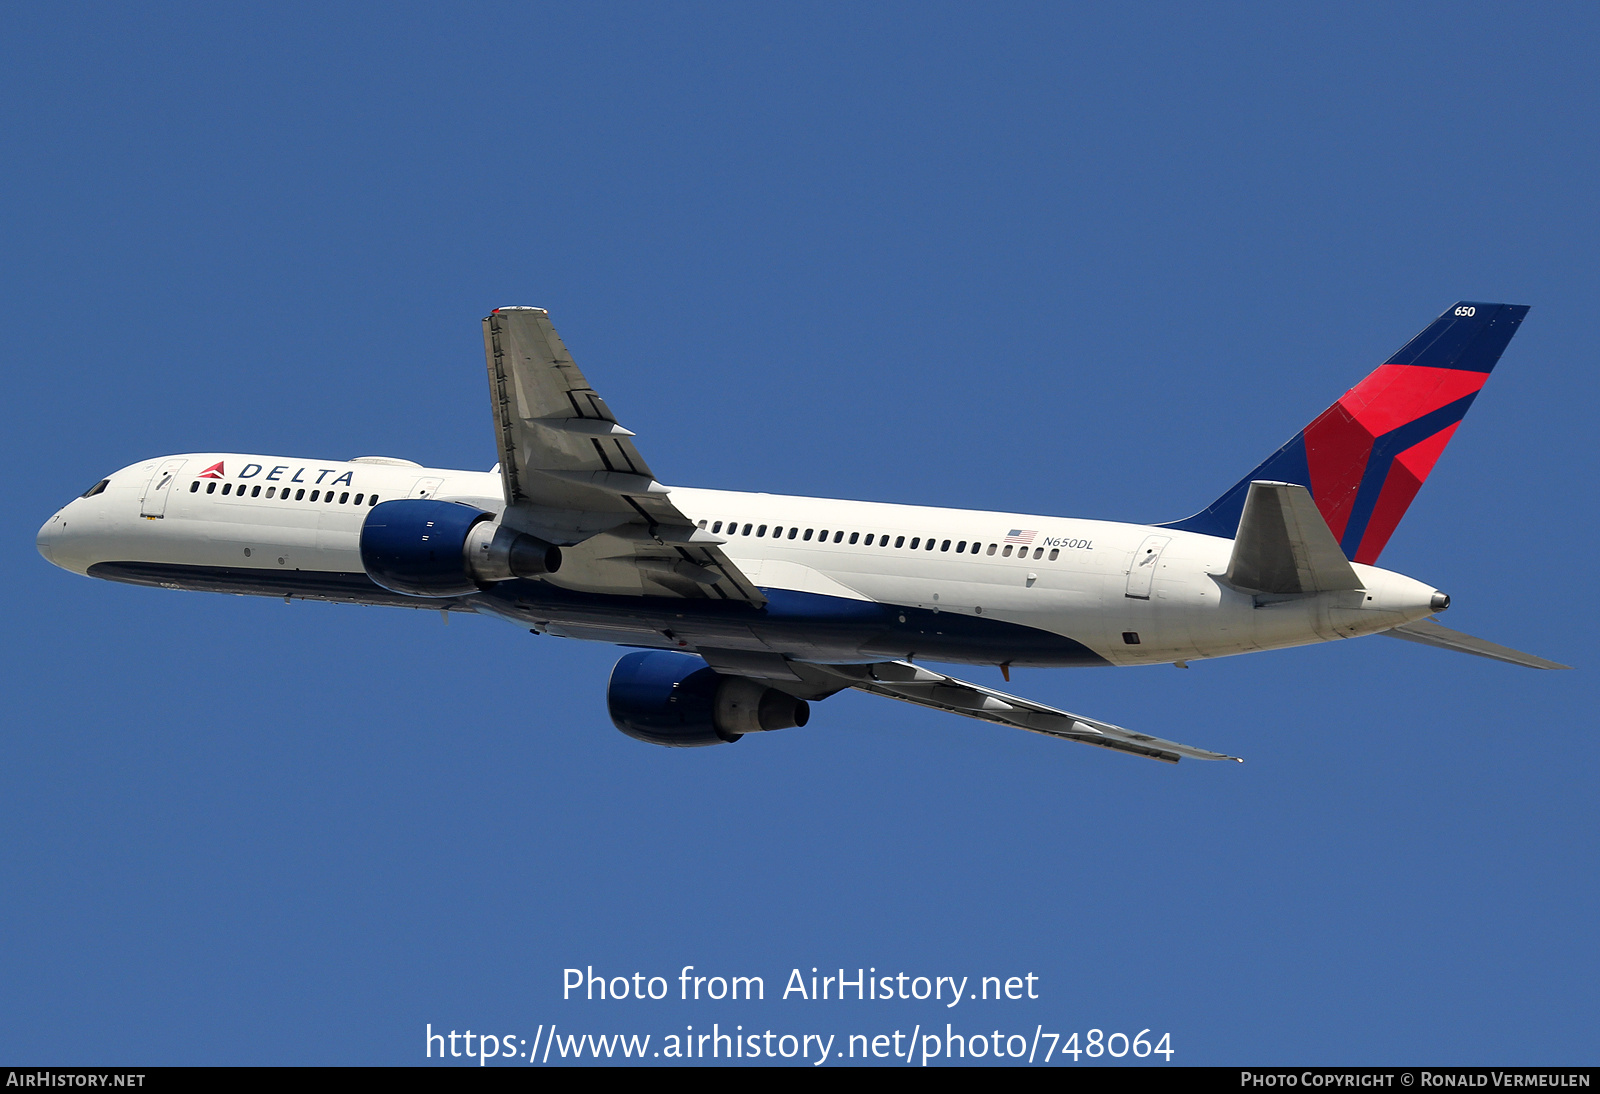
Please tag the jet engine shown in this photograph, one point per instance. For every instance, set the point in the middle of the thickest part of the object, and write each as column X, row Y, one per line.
column 423, row 547
column 678, row 700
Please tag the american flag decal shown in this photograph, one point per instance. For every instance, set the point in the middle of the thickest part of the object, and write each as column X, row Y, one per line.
column 1022, row 536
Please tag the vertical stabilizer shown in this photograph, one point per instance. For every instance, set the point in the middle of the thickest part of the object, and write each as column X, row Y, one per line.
column 1365, row 457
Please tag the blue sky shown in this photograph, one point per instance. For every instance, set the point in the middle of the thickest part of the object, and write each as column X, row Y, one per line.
column 1060, row 259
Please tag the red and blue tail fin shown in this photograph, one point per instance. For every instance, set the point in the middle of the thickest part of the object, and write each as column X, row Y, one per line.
column 1366, row 456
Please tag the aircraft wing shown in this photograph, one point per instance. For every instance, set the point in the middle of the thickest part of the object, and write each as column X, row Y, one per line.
column 914, row 684
column 573, row 476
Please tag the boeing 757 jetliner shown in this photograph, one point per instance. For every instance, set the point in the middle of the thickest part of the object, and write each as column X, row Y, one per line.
column 745, row 607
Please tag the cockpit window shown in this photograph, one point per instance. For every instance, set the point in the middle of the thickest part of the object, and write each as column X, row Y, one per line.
column 96, row 488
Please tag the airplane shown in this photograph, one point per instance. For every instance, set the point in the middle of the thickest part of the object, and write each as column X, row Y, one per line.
column 744, row 608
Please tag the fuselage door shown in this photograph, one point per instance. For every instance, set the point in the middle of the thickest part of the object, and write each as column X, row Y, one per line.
column 425, row 488
column 1142, row 570
column 159, row 488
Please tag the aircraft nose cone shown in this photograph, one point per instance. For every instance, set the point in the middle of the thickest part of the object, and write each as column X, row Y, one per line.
column 46, row 538
column 1440, row 602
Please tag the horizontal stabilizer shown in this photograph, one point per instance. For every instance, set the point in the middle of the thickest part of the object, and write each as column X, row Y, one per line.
column 1284, row 546
column 1429, row 633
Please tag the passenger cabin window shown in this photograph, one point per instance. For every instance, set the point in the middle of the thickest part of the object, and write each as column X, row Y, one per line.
column 717, row 527
column 991, row 549
column 867, row 541
column 211, row 487
column 761, row 531
column 702, row 526
column 946, row 546
column 854, row 536
column 227, row 488
column 358, row 499
column 808, row 535
column 314, row 494
column 899, row 541
column 1055, row 553
column 915, row 542
column 255, row 491
column 747, row 529
column 792, row 531
column 193, row 486
column 372, row 500
column 1007, row 552
column 301, row 493
column 272, row 491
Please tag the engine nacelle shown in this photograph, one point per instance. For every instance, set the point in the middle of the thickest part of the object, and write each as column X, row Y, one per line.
column 422, row 547
column 494, row 552
column 677, row 700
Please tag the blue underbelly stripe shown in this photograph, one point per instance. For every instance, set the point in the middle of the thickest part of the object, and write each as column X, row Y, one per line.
column 803, row 625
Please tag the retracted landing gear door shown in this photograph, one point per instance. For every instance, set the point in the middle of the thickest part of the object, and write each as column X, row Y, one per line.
column 159, row 488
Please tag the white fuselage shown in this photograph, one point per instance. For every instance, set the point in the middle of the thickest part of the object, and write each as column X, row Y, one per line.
column 1132, row 594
